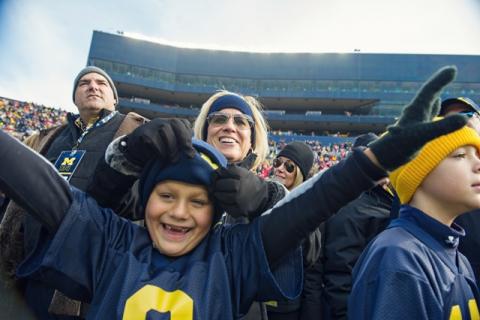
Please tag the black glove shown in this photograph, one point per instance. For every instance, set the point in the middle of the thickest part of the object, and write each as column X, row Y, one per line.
column 162, row 138
column 415, row 128
column 239, row 191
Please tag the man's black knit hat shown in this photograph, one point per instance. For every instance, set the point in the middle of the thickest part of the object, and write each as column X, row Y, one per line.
column 301, row 154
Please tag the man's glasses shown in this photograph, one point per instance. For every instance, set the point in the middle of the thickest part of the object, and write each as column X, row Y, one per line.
column 470, row 114
column 288, row 164
column 241, row 121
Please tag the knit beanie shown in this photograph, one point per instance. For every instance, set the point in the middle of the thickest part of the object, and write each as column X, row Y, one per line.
column 93, row 69
column 301, row 154
column 407, row 178
column 231, row 100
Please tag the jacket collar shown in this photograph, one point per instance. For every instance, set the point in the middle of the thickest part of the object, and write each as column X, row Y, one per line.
column 448, row 236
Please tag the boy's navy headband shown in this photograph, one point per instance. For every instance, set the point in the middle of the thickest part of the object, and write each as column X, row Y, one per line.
column 231, row 101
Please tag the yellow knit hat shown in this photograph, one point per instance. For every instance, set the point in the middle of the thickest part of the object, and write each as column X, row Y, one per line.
column 407, row 178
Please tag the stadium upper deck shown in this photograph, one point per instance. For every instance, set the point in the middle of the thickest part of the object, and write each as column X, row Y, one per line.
column 346, row 92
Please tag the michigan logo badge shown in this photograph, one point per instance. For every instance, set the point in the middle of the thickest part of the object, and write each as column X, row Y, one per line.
column 68, row 161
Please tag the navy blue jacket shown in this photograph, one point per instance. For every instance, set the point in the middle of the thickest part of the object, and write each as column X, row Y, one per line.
column 413, row 270
column 347, row 234
column 118, row 270
column 470, row 244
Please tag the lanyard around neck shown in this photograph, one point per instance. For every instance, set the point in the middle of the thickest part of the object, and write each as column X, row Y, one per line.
column 97, row 124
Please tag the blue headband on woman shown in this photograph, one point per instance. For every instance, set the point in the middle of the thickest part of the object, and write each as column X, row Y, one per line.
column 197, row 170
column 231, row 100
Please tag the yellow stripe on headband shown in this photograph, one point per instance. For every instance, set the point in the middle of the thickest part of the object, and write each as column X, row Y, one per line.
column 209, row 161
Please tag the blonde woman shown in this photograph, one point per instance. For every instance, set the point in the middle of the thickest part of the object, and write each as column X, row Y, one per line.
column 292, row 165
column 235, row 126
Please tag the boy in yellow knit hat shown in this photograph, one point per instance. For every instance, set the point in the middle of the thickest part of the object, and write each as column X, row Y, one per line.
column 413, row 269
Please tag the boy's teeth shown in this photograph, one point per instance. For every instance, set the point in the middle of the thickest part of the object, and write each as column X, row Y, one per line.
column 168, row 227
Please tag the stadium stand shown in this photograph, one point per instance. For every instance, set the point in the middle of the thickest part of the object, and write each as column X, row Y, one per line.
column 22, row 119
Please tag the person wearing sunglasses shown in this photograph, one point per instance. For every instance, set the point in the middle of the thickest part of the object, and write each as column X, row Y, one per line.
column 293, row 163
column 291, row 167
column 464, row 106
column 235, row 126
column 470, row 221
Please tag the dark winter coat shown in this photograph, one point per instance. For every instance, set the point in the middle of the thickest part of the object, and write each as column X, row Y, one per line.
column 346, row 235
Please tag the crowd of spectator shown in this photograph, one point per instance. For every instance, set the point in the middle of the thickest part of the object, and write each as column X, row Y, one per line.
column 22, row 119
column 311, row 133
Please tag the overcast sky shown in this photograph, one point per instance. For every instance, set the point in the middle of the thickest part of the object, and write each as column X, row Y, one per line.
column 44, row 43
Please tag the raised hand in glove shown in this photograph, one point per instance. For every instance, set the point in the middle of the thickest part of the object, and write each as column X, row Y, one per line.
column 239, row 191
column 162, row 138
column 415, row 127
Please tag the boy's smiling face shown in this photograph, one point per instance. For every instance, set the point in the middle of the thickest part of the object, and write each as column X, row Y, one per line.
column 452, row 188
column 178, row 216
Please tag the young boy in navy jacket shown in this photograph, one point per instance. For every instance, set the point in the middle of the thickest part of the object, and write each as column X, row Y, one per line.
column 413, row 270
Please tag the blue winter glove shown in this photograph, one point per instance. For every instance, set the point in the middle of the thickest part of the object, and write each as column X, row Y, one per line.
column 415, row 128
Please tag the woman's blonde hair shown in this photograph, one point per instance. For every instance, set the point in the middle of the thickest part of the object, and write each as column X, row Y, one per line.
column 298, row 178
column 259, row 146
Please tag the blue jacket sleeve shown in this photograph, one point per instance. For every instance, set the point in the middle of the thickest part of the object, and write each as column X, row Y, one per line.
column 314, row 201
column 89, row 244
column 32, row 182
